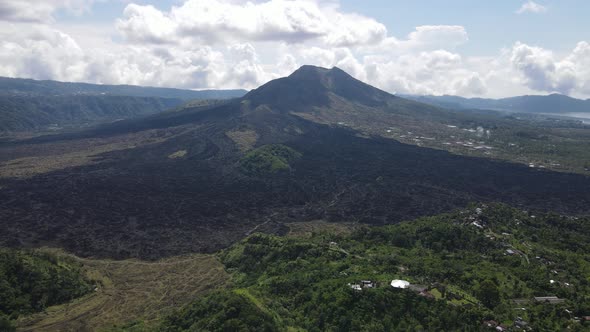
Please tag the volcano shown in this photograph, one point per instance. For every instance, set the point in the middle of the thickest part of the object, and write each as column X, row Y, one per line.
column 298, row 148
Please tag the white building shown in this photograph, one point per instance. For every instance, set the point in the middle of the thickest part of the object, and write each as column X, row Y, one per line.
column 400, row 284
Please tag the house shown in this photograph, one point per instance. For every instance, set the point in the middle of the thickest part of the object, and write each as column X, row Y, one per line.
column 356, row 287
column 363, row 284
column 368, row 284
column 490, row 323
column 521, row 324
column 501, row 328
column 549, row 299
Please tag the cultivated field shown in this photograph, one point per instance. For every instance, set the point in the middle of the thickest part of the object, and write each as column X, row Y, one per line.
column 132, row 290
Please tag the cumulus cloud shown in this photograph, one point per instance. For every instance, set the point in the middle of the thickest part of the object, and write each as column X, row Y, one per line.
column 39, row 10
column 423, row 38
column 542, row 71
column 438, row 36
column 531, row 7
column 216, row 21
column 428, row 72
column 47, row 53
column 219, row 44
column 146, row 24
column 40, row 53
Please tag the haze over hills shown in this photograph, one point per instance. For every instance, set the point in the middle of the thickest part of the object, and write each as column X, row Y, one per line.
column 22, row 86
column 296, row 149
column 550, row 104
column 28, row 105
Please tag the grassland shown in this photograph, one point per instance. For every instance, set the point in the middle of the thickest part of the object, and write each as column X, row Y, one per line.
column 131, row 290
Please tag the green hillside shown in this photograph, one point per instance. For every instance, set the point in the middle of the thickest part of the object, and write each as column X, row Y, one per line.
column 268, row 159
column 32, row 281
column 471, row 266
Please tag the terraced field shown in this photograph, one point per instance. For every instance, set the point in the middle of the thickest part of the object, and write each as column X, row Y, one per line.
column 132, row 290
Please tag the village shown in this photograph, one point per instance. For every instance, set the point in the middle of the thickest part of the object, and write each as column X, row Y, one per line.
column 513, row 248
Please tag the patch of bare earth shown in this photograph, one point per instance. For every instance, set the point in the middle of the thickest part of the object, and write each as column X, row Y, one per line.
column 244, row 139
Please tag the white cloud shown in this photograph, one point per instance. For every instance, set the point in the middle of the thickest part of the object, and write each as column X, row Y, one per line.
column 427, row 72
column 205, row 44
column 41, row 53
column 438, row 36
column 39, row 10
column 217, row 21
column 531, row 7
column 146, row 24
column 542, row 71
column 353, row 30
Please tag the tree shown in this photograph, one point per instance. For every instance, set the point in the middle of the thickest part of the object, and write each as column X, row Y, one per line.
column 6, row 324
column 488, row 293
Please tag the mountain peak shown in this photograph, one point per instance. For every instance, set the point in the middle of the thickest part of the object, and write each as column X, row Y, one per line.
column 324, row 75
column 310, row 69
column 312, row 85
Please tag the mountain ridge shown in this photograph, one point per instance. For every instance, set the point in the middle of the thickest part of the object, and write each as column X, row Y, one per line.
column 32, row 105
column 547, row 104
column 11, row 86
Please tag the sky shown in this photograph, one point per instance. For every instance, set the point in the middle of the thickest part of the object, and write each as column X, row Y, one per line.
column 492, row 49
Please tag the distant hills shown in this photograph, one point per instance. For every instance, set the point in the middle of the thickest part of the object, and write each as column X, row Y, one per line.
column 20, row 86
column 27, row 105
column 27, row 113
column 550, row 104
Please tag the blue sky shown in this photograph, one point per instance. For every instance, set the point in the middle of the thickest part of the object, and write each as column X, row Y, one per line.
column 471, row 48
column 491, row 24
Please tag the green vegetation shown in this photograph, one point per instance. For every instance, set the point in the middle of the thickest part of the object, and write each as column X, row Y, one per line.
column 469, row 266
column 225, row 310
column 461, row 259
column 268, row 159
column 131, row 295
column 32, row 281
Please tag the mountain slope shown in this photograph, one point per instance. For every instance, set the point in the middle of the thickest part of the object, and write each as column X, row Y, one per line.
column 175, row 183
column 20, row 113
column 27, row 105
